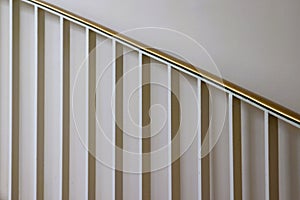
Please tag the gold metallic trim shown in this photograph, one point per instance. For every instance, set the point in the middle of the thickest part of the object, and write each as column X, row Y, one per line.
column 270, row 105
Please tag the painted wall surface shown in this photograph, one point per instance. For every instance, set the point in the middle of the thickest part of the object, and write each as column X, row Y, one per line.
column 254, row 44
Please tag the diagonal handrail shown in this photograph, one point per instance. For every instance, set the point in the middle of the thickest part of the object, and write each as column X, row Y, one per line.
column 273, row 107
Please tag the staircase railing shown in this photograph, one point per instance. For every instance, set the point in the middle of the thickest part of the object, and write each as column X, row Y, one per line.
column 65, row 130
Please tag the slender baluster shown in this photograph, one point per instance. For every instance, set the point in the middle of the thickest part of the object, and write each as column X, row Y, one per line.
column 266, row 146
column 15, row 95
column 146, row 140
column 91, row 45
column 273, row 158
column 205, row 165
column 119, row 122
column 65, row 48
column 40, row 57
column 199, row 140
column 235, row 154
column 175, row 130
column 237, row 149
column 230, row 144
column 113, row 121
column 5, row 101
column 141, row 125
column 170, row 132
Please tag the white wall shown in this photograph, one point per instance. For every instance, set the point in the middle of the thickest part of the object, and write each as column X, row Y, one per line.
column 255, row 44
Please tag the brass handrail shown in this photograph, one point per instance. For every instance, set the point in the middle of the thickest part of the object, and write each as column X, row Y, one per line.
column 264, row 102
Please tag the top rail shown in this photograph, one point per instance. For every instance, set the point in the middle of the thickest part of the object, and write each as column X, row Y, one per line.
column 227, row 85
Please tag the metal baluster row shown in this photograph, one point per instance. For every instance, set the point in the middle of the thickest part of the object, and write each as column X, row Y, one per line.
column 174, row 84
